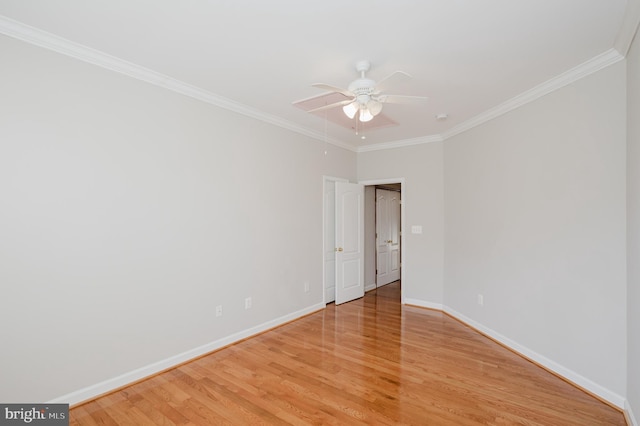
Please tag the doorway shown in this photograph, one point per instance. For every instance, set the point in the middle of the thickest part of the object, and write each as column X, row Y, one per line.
column 329, row 286
column 396, row 185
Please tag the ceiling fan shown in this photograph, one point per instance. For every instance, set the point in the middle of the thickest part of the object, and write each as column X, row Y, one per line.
column 365, row 96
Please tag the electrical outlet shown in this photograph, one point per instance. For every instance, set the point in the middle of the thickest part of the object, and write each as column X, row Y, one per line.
column 219, row 310
column 480, row 300
column 247, row 303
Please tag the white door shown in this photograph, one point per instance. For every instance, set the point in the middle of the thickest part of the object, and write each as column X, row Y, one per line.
column 349, row 243
column 387, row 236
column 329, row 241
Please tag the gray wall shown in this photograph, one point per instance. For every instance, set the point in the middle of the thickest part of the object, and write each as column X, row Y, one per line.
column 633, row 228
column 528, row 210
column 422, row 201
column 128, row 212
column 535, row 222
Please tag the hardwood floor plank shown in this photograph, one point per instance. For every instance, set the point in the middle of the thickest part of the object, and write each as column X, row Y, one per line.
column 370, row 361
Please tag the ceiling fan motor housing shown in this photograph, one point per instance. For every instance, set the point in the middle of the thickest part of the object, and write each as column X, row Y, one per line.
column 363, row 88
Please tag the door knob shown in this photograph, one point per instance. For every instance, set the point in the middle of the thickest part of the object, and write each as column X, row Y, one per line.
column 390, row 241
column 339, row 249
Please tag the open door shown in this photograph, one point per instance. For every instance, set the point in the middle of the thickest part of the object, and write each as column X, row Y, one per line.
column 349, row 241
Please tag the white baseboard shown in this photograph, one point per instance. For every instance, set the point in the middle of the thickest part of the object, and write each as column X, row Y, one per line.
column 607, row 395
column 423, row 304
column 581, row 381
column 628, row 415
column 114, row 383
column 370, row 287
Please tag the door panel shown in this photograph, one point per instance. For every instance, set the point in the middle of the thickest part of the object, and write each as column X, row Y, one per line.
column 382, row 237
column 388, row 236
column 349, row 241
column 394, row 236
column 350, row 274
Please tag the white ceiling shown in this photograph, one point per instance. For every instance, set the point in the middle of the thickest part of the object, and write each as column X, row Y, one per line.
column 467, row 56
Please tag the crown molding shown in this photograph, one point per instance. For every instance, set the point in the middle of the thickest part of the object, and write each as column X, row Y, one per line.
column 401, row 143
column 66, row 47
column 629, row 27
column 49, row 41
column 591, row 66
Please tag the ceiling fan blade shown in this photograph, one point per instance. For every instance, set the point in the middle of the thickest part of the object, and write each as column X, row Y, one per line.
column 374, row 107
column 333, row 105
column 331, row 88
column 381, row 84
column 401, row 99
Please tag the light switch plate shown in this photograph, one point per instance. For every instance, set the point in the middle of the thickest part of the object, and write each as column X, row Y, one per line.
column 416, row 229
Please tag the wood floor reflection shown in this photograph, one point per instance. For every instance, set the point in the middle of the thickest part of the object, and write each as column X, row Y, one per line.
column 371, row 361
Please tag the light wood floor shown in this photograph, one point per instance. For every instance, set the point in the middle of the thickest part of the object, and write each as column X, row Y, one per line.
column 371, row 361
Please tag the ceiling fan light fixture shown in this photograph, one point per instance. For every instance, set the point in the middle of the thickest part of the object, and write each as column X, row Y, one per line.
column 362, row 96
column 365, row 115
column 350, row 110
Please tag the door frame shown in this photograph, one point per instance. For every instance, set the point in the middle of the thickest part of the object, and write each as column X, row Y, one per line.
column 403, row 224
